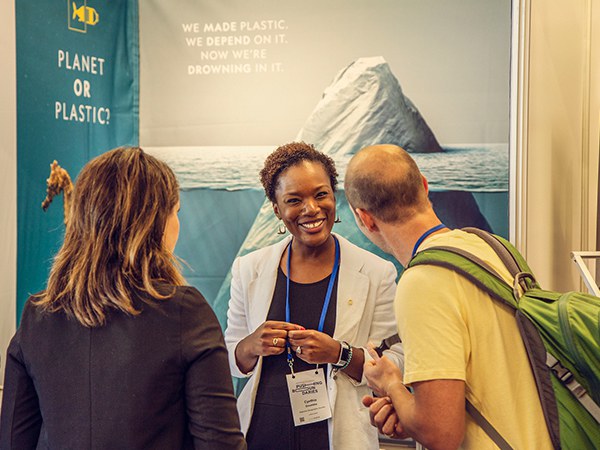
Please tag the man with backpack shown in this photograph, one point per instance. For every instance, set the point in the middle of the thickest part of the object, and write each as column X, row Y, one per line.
column 460, row 345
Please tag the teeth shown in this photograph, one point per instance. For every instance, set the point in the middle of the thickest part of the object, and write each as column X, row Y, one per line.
column 311, row 225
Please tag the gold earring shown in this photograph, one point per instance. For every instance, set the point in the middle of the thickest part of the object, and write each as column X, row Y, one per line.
column 337, row 220
column 281, row 229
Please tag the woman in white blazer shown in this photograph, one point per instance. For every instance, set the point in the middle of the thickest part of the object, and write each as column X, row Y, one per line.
column 301, row 314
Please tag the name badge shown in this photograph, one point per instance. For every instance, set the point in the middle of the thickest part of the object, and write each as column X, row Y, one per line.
column 308, row 396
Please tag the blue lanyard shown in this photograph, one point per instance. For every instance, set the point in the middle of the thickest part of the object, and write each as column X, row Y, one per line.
column 336, row 265
column 424, row 236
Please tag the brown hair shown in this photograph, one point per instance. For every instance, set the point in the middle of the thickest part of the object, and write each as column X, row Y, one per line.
column 113, row 247
column 289, row 155
column 385, row 181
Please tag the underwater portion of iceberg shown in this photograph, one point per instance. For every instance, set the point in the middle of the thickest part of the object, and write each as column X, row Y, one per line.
column 365, row 105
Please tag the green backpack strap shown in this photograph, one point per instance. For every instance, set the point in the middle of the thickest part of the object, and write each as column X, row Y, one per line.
column 505, row 255
column 509, row 255
column 471, row 267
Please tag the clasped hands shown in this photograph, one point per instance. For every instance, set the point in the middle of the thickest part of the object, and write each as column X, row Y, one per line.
column 311, row 346
column 382, row 377
column 314, row 347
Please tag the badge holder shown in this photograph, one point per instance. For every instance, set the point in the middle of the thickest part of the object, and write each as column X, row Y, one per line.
column 308, row 394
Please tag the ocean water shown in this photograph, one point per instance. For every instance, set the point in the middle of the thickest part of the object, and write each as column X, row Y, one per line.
column 222, row 197
column 464, row 167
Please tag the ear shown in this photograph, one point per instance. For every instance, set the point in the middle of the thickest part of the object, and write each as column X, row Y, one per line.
column 276, row 210
column 368, row 221
column 425, row 184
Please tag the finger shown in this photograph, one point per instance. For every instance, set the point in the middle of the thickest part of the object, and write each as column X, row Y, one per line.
column 379, row 403
column 367, row 400
column 307, row 345
column 271, row 351
column 297, row 341
column 279, row 325
column 389, row 427
column 399, row 429
column 299, row 334
column 382, row 416
column 291, row 327
column 381, row 410
column 374, row 410
column 373, row 352
column 311, row 338
column 278, row 341
column 307, row 342
column 305, row 354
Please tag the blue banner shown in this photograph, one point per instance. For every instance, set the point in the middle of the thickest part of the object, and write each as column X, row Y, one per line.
column 77, row 97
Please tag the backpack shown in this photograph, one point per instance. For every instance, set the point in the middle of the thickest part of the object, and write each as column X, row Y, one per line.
column 561, row 333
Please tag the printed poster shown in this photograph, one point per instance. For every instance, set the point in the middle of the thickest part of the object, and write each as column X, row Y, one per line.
column 225, row 83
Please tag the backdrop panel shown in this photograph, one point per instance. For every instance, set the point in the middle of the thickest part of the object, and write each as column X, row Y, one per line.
column 224, row 83
column 77, row 86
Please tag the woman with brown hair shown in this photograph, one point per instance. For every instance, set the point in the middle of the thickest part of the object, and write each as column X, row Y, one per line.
column 117, row 352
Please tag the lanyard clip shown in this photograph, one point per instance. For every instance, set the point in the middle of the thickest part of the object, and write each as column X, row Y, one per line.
column 290, row 359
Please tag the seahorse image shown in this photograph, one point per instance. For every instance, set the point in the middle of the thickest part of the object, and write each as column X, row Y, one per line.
column 59, row 181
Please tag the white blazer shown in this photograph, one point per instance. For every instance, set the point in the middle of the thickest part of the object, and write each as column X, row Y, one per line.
column 364, row 313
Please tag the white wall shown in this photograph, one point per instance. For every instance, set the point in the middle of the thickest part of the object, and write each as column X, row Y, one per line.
column 8, row 179
column 558, row 99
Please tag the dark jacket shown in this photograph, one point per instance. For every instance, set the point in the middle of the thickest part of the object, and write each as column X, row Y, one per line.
column 158, row 380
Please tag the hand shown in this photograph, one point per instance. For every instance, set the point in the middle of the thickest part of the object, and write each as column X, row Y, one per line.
column 384, row 417
column 381, row 373
column 268, row 339
column 317, row 347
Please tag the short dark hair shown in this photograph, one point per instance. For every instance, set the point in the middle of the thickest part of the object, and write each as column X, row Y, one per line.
column 289, row 155
column 393, row 194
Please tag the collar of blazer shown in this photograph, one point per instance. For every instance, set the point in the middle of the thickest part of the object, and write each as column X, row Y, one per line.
column 352, row 291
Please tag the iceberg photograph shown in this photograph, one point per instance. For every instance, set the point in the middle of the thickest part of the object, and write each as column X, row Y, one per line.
column 363, row 106
column 431, row 77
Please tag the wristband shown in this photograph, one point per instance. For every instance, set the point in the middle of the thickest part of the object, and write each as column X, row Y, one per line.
column 345, row 356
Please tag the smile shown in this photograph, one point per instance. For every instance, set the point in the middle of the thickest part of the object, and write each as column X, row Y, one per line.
column 312, row 225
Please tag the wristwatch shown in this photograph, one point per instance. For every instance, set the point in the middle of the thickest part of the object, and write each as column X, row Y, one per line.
column 345, row 356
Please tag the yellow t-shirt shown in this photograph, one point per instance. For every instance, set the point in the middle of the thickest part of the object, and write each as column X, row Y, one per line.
column 453, row 330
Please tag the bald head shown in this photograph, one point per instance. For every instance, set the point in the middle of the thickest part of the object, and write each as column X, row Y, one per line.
column 385, row 180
